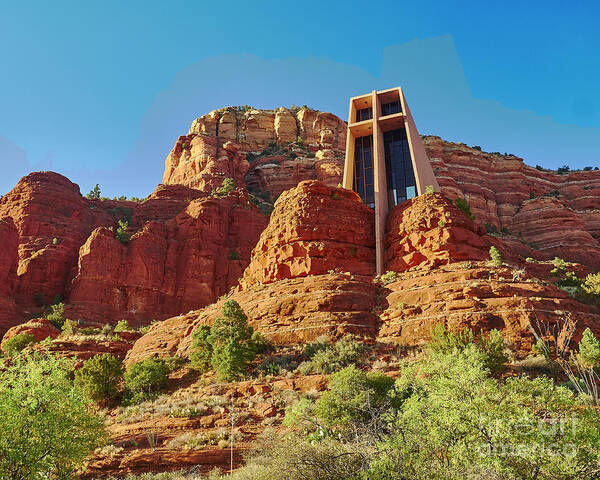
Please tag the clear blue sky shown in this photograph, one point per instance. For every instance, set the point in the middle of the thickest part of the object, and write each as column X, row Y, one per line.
column 99, row 91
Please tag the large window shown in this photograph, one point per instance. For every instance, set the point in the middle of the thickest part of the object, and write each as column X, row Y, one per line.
column 364, row 114
column 398, row 164
column 363, row 169
column 390, row 108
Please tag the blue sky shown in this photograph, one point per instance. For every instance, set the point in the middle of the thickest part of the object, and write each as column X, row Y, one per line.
column 99, row 91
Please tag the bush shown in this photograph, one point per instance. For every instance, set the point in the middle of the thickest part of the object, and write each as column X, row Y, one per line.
column 429, row 189
column 55, row 241
column 492, row 345
column 228, row 346
column 329, row 358
column 233, row 255
column 56, row 315
column 201, row 349
column 100, row 376
column 227, row 187
column 69, row 327
column 121, row 233
column 355, row 400
column 464, row 206
column 591, row 284
column 123, row 326
column 47, row 427
column 17, row 344
column 589, row 350
column 388, row 277
column 144, row 378
column 495, row 257
column 94, row 193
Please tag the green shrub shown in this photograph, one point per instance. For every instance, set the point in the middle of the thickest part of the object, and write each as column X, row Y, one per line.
column 17, row 344
column 227, row 187
column 233, row 255
column 591, row 284
column 47, row 428
column 228, row 346
column 56, row 315
column 388, row 277
column 123, row 326
column 329, row 358
column 94, row 193
column 100, row 376
column 143, row 379
column 55, row 241
column 69, row 327
column 121, row 233
column 495, row 256
column 464, row 206
column 589, row 350
column 441, row 223
column 429, row 189
column 201, row 349
column 354, row 399
column 492, row 345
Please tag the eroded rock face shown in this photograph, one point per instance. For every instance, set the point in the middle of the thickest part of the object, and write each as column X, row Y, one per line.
column 538, row 206
column 314, row 229
column 187, row 249
column 429, row 230
column 167, row 267
column 217, row 143
column 288, row 312
column 45, row 206
column 9, row 239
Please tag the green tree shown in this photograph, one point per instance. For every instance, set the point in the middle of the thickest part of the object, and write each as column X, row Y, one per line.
column 121, row 233
column 202, row 350
column 99, row 377
column 17, row 344
column 94, row 193
column 228, row 346
column 231, row 340
column 465, row 207
column 226, row 188
column 143, row 379
column 47, row 427
column 56, row 315
column 495, row 256
column 589, row 350
column 459, row 422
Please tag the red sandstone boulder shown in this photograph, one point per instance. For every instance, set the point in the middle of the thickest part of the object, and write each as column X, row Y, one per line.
column 314, row 229
column 38, row 328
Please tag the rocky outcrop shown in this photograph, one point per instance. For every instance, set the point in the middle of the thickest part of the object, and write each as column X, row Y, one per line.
column 167, row 267
column 314, row 229
column 429, row 231
column 288, row 312
column 52, row 220
column 537, row 206
column 38, row 328
column 9, row 239
column 217, row 145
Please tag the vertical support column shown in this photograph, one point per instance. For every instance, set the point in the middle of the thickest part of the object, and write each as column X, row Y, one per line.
column 380, row 185
column 348, row 180
column 424, row 175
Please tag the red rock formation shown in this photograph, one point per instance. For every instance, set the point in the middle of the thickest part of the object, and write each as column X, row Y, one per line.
column 167, row 267
column 498, row 187
column 46, row 206
column 9, row 240
column 223, row 137
column 38, row 328
column 429, row 230
column 314, row 229
column 288, row 311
